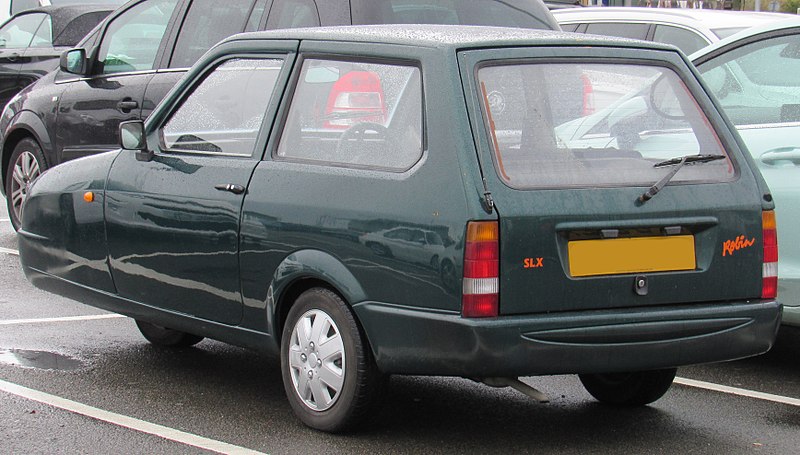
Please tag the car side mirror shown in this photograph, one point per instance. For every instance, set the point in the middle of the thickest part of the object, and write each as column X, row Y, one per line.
column 132, row 137
column 73, row 61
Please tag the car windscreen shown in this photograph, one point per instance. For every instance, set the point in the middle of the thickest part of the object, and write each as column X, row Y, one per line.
column 501, row 13
column 558, row 125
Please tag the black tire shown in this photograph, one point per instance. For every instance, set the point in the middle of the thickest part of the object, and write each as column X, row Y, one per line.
column 347, row 360
column 26, row 164
column 629, row 389
column 380, row 250
column 170, row 338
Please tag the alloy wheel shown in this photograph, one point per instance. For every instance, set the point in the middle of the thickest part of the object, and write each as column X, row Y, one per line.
column 26, row 170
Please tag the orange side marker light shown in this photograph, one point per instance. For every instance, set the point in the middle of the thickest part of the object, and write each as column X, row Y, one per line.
column 88, row 196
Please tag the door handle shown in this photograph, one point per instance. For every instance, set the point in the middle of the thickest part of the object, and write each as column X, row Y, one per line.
column 781, row 154
column 230, row 187
column 127, row 105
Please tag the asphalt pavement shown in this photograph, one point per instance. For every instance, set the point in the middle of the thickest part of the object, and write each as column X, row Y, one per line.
column 74, row 379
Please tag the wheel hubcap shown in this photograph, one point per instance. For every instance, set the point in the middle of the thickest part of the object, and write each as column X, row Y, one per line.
column 26, row 170
column 316, row 360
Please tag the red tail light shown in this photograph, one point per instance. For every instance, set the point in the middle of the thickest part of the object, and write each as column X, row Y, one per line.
column 588, row 95
column 769, row 286
column 480, row 293
column 356, row 97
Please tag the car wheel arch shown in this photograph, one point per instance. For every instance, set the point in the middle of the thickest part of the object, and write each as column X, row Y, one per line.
column 19, row 132
column 303, row 270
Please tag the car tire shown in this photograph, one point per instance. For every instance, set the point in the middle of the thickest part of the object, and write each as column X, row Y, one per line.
column 165, row 337
column 26, row 164
column 629, row 389
column 329, row 374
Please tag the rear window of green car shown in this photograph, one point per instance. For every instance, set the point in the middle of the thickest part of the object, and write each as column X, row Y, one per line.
column 555, row 125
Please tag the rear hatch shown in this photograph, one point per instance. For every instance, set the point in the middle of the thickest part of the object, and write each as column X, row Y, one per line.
column 570, row 150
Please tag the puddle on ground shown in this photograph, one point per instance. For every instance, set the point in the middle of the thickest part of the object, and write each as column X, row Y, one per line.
column 39, row 359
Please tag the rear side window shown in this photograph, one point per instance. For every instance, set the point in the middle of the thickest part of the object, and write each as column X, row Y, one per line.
column 206, row 23
column 685, row 40
column 223, row 114
column 355, row 114
column 588, row 125
column 293, row 14
column 505, row 13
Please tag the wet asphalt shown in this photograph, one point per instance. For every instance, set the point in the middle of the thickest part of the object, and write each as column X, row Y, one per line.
column 236, row 396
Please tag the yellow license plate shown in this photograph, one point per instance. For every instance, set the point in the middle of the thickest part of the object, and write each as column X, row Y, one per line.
column 631, row 255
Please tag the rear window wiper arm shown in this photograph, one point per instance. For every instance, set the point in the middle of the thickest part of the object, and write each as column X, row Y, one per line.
column 678, row 162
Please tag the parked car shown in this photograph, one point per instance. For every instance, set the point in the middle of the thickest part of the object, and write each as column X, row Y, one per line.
column 31, row 42
column 122, row 70
column 605, row 251
column 688, row 29
column 755, row 75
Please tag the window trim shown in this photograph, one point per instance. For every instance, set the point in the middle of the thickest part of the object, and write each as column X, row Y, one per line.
column 291, row 89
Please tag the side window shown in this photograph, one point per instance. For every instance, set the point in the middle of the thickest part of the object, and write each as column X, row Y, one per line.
column 255, row 16
column 223, row 114
column 570, row 27
column 686, row 40
column 757, row 83
column 623, row 30
column 18, row 32
column 44, row 34
column 131, row 41
column 293, row 14
column 355, row 114
column 206, row 23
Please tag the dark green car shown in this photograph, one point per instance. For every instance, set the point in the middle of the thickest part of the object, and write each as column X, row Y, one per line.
column 479, row 202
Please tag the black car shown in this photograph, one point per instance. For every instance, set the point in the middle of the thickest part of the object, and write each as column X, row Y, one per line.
column 123, row 69
column 32, row 41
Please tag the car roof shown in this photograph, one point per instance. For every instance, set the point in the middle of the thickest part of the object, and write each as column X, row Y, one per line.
column 447, row 36
column 62, row 16
column 697, row 18
column 788, row 23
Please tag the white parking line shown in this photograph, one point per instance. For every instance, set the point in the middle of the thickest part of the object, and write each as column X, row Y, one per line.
column 64, row 319
column 126, row 421
column 737, row 391
column 9, row 251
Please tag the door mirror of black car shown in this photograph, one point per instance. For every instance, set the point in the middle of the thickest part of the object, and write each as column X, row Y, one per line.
column 131, row 137
column 73, row 61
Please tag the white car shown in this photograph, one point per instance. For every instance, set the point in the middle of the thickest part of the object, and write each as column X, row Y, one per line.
column 688, row 29
column 755, row 75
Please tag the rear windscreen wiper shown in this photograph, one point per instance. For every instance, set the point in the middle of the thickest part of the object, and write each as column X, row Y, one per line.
column 678, row 162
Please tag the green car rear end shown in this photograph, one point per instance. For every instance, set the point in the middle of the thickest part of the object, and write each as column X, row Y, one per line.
column 602, row 249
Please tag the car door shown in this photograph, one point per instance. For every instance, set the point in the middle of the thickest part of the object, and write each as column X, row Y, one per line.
column 756, row 81
column 123, row 63
column 205, row 23
column 173, row 221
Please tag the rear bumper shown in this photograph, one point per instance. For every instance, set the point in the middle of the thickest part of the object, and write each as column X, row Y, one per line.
column 413, row 341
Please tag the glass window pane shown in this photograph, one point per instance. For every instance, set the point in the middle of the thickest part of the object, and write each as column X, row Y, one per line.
column 633, row 31
column 472, row 12
column 686, row 40
column 44, row 34
column 223, row 114
column 757, row 83
column 590, row 125
column 293, row 14
column 19, row 32
column 208, row 22
column 131, row 41
column 355, row 114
